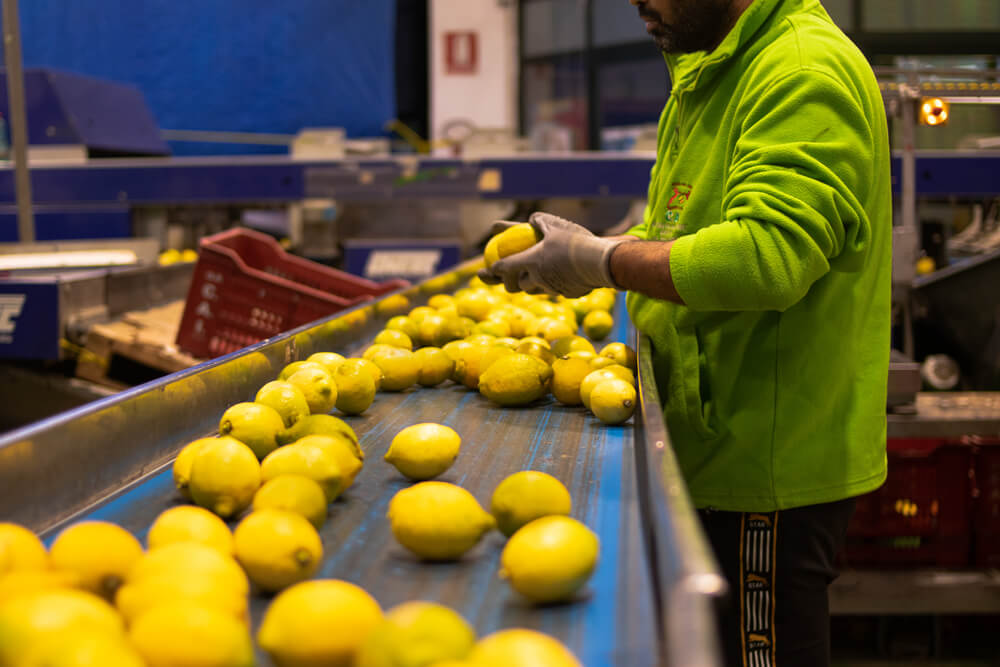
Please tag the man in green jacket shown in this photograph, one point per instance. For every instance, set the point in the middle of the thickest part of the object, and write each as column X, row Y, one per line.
column 761, row 274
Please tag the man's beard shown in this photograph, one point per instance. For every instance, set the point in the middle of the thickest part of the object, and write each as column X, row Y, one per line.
column 698, row 26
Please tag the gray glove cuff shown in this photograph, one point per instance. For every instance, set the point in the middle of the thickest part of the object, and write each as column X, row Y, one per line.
column 591, row 257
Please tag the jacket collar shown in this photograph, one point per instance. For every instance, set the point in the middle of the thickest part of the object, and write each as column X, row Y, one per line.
column 689, row 70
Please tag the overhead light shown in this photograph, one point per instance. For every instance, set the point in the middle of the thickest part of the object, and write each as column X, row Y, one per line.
column 933, row 111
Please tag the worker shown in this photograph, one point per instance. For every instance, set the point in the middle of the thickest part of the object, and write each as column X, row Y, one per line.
column 761, row 275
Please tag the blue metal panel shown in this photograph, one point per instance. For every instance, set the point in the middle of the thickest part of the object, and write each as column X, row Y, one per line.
column 594, row 175
column 29, row 318
column 63, row 224
column 941, row 175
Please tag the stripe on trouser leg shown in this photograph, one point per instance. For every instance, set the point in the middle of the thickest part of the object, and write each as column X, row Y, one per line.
column 757, row 547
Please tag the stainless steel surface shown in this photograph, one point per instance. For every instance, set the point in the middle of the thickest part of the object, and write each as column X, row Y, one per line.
column 18, row 120
column 914, row 592
column 684, row 568
column 949, row 415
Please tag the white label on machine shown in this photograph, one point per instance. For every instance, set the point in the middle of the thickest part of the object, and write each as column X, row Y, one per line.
column 385, row 263
column 10, row 307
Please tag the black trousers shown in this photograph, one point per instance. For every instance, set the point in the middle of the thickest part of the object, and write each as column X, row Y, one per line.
column 778, row 565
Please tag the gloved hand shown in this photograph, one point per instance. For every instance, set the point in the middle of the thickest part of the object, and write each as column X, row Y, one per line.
column 568, row 260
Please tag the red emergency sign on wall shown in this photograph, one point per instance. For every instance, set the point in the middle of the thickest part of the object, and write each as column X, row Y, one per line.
column 461, row 52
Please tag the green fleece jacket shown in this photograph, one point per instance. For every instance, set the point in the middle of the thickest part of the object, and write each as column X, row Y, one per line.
column 772, row 174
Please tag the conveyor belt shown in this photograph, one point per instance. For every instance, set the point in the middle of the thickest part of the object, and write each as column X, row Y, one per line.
column 613, row 622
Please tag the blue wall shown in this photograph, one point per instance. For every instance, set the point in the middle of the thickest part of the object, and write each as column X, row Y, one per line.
column 229, row 65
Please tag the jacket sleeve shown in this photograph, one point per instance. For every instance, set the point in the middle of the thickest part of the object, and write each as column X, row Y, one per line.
column 801, row 166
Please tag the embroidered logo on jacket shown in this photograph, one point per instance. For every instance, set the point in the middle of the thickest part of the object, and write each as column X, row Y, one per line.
column 669, row 227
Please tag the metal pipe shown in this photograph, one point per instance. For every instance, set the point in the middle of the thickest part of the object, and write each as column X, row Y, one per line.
column 18, row 120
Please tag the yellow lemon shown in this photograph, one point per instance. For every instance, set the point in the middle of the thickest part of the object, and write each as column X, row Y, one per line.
column 536, row 349
column 355, row 388
column 518, row 647
column 399, row 369
column 331, row 361
column 424, row 451
column 516, row 379
column 370, row 368
column 551, row 329
column 509, row 242
column 394, row 338
column 225, row 474
column 100, row 553
column 322, row 425
column 286, row 398
column 598, row 324
column 182, row 466
column 296, row 366
column 392, row 305
column 495, row 328
column 187, row 633
column 435, row 366
column 598, row 362
column 343, row 453
column 404, row 324
column 277, row 548
column 613, row 401
column 567, row 375
column 309, row 460
column 418, row 314
column 438, row 521
column 296, row 629
column 468, row 364
column 29, row 621
column 549, row 559
column 476, row 304
column 80, row 648
column 190, row 524
column 417, row 634
column 182, row 561
column 20, row 549
column 22, row 582
column 596, row 377
column 621, row 354
column 135, row 599
column 318, row 387
column 293, row 493
column 563, row 346
column 525, row 496
column 255, row 425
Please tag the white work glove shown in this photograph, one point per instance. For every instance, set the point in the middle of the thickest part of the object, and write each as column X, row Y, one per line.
column 568, row 260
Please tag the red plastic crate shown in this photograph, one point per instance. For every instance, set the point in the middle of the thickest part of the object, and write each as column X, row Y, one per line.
column 902, row 552
column 246, row 288
column 987, row 520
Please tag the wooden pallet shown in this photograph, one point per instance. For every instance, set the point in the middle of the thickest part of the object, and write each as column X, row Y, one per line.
column 143, row 337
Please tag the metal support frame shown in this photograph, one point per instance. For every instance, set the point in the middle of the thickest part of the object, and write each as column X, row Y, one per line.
column 18, row 120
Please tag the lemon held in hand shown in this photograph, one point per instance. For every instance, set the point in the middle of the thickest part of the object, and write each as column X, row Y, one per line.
column 438, row 521
column 525, row 496
column 424, row 451
column 277, row 548
column 510, row 241
column 549, row 559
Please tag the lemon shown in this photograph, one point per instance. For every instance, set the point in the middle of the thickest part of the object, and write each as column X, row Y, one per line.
column 331, row 361
column 598, row 362
column 493, row 354
column 79, row 648
column 476, row 304
column 309, row 460
column 286, row 398
column 392, row 305
column 598, row 324
column 135, row 599
column 224, row 476
column 169, row 256
column 182, row 466
column 520, row 322
column 507, row 341
column 342, row 452
column 404, row 324
column 525, row 496
column 24, row 582
column 495, row 328
column 367, row 366
column 621, row 354
column 378, row 348
column 293, row 493
column 567, row 374
column 321, row 622
column 537, row 350
column 516, row 379
column 277, row 548
column 551, row 328
column 417, row 634
column 318, row 387
column 32, row 620
column 439, row 301
column 254, row 424
column 187, row 633
column 183, row 561
column 394, row 338
column 418, row 314
column 549, row 559
column 355, row 388
column 190, row 524
column 400, row 369
column 438, row 521
column 563, row 346
column 613, row 401
column 596, row 377
column 510, row 241
column 296, row 366
column 100, row 553
column 20, row 549
column 435, row 366
column 424, row 451
column 518, row 647
column 468, row 364
column 323, row 425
